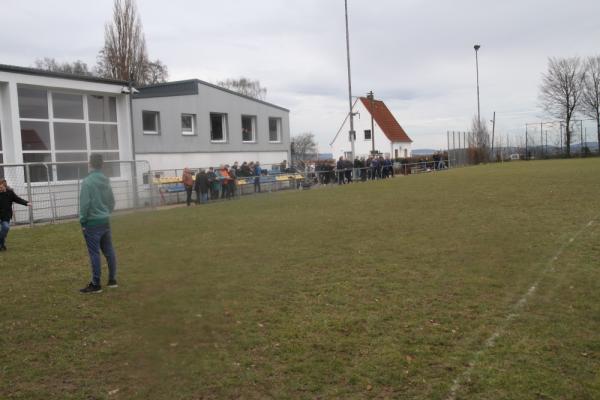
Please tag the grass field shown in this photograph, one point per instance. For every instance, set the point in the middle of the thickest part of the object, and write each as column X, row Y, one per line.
column 390, row 289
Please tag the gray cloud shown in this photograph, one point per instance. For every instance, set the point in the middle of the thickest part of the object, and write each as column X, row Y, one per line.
column 416, row 55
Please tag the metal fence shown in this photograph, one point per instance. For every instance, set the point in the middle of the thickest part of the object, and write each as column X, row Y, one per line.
column 53, row 188
column 331, row 175
column 167, row 188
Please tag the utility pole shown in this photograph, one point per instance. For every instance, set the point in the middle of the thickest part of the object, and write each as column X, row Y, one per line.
column 371, row 97
column 352, row 133
column 526, row 147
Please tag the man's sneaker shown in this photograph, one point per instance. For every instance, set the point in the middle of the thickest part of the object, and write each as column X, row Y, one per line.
column 112, row 283
column 3, row 248
column 91, row 288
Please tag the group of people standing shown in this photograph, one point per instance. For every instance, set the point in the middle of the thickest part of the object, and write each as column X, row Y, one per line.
column 219, row 183
column 373, row 167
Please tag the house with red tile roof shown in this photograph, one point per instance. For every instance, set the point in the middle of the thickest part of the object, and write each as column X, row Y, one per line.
column 388, row 138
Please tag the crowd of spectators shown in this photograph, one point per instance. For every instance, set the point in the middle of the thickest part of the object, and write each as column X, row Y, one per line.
column 345, row 171
column 221, row 183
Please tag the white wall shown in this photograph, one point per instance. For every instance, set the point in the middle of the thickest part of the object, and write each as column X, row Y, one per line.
column 363, row 147
column 205, row 160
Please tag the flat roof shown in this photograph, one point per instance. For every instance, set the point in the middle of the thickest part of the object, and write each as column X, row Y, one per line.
column 62, row 75
column 189, row 87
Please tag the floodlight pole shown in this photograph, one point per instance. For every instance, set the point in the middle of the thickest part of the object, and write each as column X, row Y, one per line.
column 351, row 133
column 477, row 47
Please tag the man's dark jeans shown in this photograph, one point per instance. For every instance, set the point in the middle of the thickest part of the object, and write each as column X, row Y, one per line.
column 98, row 238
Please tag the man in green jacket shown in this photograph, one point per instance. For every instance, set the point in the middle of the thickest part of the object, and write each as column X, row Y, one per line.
column 96, row 202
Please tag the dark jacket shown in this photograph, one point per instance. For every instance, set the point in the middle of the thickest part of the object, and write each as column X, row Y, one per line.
column 201, row 184
column 6, row 201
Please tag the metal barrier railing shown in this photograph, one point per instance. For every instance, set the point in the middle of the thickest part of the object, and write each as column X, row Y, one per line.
column 53, row 188
column 325, row 176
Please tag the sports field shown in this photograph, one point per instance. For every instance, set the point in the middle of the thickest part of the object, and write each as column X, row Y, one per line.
column 474, row 283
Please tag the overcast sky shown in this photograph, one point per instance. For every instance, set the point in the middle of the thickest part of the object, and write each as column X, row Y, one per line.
column 416, row 55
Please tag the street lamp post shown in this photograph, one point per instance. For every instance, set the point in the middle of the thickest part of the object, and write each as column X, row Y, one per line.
column 477, row 47
column 351, row 133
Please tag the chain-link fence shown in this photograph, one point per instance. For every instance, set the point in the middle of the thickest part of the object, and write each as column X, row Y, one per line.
column 53, row 188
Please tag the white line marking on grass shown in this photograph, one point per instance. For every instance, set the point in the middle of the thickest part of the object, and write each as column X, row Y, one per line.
column 516, row 308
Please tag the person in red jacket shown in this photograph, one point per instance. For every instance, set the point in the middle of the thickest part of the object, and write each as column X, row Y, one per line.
column 7, row 198
column 188, row 182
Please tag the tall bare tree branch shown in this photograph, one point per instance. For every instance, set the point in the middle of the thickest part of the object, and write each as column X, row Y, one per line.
column 591, row 92
column 124, row 54
column 562, row 90
column 246, row 87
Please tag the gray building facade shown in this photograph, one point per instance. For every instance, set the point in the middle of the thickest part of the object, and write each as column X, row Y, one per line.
column 196, row 124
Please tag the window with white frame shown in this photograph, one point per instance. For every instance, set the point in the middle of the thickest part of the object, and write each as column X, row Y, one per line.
column 248, row 128
column 66, row 127
column 150, row 122
column 188, row 124
column 218, row 127
column 367, row 134
column 274, row 130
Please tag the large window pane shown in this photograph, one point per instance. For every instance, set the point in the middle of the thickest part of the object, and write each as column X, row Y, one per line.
column 150, row 122
column 187, row 124
column 33, row 103
column 217, row 127
column 35, row 135
column 104, row 137
column 38, row 173
column 274, row 129
column 102, row 108
column 69, row 172
column 68, row 106
column 69, row 136
column 112, row 170
column 248, row 128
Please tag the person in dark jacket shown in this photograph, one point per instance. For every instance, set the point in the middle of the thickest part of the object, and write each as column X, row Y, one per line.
column 7, row 198
column 340, row 166
column 257, row 173
column 348, row 171
column 96, row 203
column 201, row 186
column 213, row 184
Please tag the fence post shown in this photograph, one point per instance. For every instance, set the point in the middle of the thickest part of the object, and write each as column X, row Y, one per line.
column 78, row 188
column 28, row 180
column 50, row 195
column 135, row 186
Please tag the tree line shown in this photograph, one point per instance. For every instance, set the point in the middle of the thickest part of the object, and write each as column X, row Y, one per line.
column 571, row 87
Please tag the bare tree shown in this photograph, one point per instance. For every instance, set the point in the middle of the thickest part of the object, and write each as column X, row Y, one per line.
column 246, row 87
column 591, row 92
column 124, row 54
column 562, row 90
column 76, row 67
column 157, row 72
column 479, row 141
column 303, row 147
